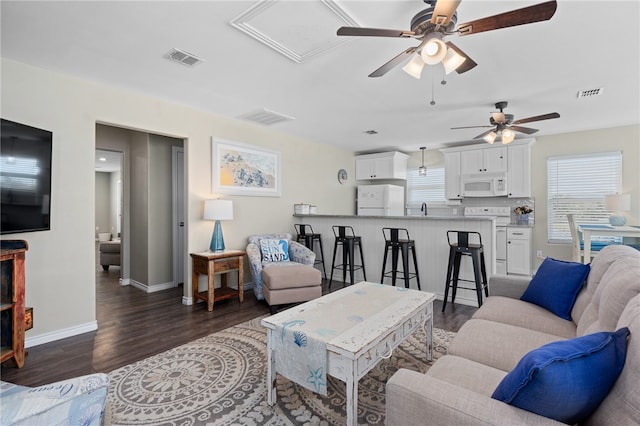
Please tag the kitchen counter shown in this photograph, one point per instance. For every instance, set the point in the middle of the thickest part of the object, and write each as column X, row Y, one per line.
column 413, row 217
column 432, row 249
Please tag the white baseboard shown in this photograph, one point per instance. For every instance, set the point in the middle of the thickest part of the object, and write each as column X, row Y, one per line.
column 151, row 288
column 60, row 334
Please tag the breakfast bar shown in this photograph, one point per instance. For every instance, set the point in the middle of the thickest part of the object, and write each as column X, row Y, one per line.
column 432, row 249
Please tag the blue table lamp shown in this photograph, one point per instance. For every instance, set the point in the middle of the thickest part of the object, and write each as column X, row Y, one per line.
column 217, row 210
column 618, row 203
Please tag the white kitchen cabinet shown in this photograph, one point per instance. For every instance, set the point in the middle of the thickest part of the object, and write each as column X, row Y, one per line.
column 452, row 189
column 519, row 171
column 519, row 250
column 384, row 165
column 484, row 160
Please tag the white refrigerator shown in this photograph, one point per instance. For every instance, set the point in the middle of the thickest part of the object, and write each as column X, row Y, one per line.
column 380, row 200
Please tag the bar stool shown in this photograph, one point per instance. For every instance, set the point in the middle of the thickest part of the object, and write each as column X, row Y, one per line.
column 457, row 248
column 346, row 238
column 397, row 245
column 308, row 237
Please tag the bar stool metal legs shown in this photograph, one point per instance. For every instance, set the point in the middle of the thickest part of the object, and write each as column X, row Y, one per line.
column 460, row 245
column 306, row 236
column 398, row 241
column 346, row 238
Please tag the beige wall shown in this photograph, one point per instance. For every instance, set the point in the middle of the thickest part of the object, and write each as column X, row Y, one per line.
column 60, row 263
column 625, row 139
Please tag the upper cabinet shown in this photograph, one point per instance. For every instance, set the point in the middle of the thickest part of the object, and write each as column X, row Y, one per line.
column 519, row 171
column 383, row 165
column 513, row 159
column 452, row 182
column 484, row 160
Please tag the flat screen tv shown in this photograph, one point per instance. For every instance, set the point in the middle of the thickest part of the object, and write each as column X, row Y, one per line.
column 25, row 178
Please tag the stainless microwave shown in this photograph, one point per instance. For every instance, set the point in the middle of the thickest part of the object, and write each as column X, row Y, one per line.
column 484, row 185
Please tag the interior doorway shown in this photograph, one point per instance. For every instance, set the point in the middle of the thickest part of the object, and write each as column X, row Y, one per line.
column 109, row 206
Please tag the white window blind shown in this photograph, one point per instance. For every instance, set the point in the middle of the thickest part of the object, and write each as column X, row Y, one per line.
column 429, row 188
column 578, row 185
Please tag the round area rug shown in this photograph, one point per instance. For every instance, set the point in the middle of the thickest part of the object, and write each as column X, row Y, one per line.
column 220, row 380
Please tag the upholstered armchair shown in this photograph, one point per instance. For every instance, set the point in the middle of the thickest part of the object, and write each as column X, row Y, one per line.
column 77, row 401
column 298, row 254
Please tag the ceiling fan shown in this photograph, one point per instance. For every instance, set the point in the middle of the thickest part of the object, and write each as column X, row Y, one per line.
column 434, row 23
column 506, row 127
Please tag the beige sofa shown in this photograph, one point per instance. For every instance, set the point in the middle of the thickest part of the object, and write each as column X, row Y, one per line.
column 457, row 389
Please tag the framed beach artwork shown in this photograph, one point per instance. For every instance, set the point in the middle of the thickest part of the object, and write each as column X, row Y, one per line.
column 241, row 169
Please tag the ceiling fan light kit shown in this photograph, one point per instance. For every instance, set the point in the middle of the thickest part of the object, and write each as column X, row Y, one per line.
column 434, row 50
column 452, row 61
column 507, row 136
column 490, row 137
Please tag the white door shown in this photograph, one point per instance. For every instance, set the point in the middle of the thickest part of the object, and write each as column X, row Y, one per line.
column 178, row 215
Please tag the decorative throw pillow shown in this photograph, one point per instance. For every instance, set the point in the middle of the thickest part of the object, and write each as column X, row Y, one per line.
column 556, row 286
column 274, row 250
column 566, row 380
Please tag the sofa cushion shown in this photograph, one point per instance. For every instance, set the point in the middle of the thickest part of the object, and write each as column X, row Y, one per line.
column 557, row 380
column 556, row 285
column 468, row 374
column 274, row 250
column 507, row 310
column 497, row 345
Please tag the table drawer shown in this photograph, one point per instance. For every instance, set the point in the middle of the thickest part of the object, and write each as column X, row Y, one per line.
column 384, row 349
column 222, row 265
column 410, row 325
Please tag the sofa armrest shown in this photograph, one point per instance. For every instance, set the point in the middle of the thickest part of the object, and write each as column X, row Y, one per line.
column 508, row 286
column 255, row 266
column 300, row 253
column 413, row 398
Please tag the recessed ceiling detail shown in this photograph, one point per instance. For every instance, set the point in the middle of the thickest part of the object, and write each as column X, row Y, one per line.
column 183, row 57
column 265, row 116
column 313, row 33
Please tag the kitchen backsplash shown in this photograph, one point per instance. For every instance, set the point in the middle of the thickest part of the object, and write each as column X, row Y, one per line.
column 458, row 210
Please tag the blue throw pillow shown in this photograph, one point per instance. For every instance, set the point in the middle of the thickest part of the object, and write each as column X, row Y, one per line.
column 566, row 380
column 556, row 286
column 274, row 250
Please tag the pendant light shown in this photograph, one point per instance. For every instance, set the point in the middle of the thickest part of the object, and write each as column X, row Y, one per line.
column 422, row 170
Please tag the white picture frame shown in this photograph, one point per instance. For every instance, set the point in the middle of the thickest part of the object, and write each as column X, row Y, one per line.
column 243, row 169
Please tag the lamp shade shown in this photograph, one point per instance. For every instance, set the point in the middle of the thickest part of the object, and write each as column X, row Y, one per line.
column 452, row 61
column 507, row 136
column 218, row 210
column 414, row 66
column 618, row 202
column 490, row 137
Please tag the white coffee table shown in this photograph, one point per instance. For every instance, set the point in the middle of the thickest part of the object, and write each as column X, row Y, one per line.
column 356, row 351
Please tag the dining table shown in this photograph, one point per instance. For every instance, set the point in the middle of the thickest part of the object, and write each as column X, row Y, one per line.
column 589, row 230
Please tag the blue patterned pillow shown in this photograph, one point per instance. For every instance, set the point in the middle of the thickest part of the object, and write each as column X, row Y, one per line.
column 566, row 380
column 274, row 250
column 556, row 286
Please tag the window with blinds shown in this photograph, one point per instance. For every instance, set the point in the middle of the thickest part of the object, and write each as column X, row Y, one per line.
column 429, row 188
column 578, row 185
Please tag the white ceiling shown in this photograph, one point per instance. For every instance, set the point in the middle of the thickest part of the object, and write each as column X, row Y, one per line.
column 537, row 68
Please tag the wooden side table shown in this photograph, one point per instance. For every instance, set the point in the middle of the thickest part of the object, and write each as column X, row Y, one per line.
column 212, row 263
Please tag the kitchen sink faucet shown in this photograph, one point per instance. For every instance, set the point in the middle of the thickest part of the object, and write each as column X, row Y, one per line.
column 424, row 208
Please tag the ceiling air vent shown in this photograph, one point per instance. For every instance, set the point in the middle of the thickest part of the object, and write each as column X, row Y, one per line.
column 590, row 92
column 266, row 117
column 183, row 57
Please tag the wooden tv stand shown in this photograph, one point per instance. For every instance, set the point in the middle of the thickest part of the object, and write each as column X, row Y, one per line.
column 12, row 300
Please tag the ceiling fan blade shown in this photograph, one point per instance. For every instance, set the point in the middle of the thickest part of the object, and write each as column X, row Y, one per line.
column 393, row 63
column 468, row 62
column 538, row 118
column 526, row 15
column 470, row 127
column 482, row 135
column 443, row 11
column 373, row 32
column 521, row 129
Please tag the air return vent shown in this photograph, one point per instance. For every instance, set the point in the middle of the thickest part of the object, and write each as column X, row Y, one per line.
column 590, row 92
column 266, row 117
column 183, row 57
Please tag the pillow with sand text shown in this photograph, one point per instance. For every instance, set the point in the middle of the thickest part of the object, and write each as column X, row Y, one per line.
column 274, row 250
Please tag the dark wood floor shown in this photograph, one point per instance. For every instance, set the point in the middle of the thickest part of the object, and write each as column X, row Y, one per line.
column 133, row 325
